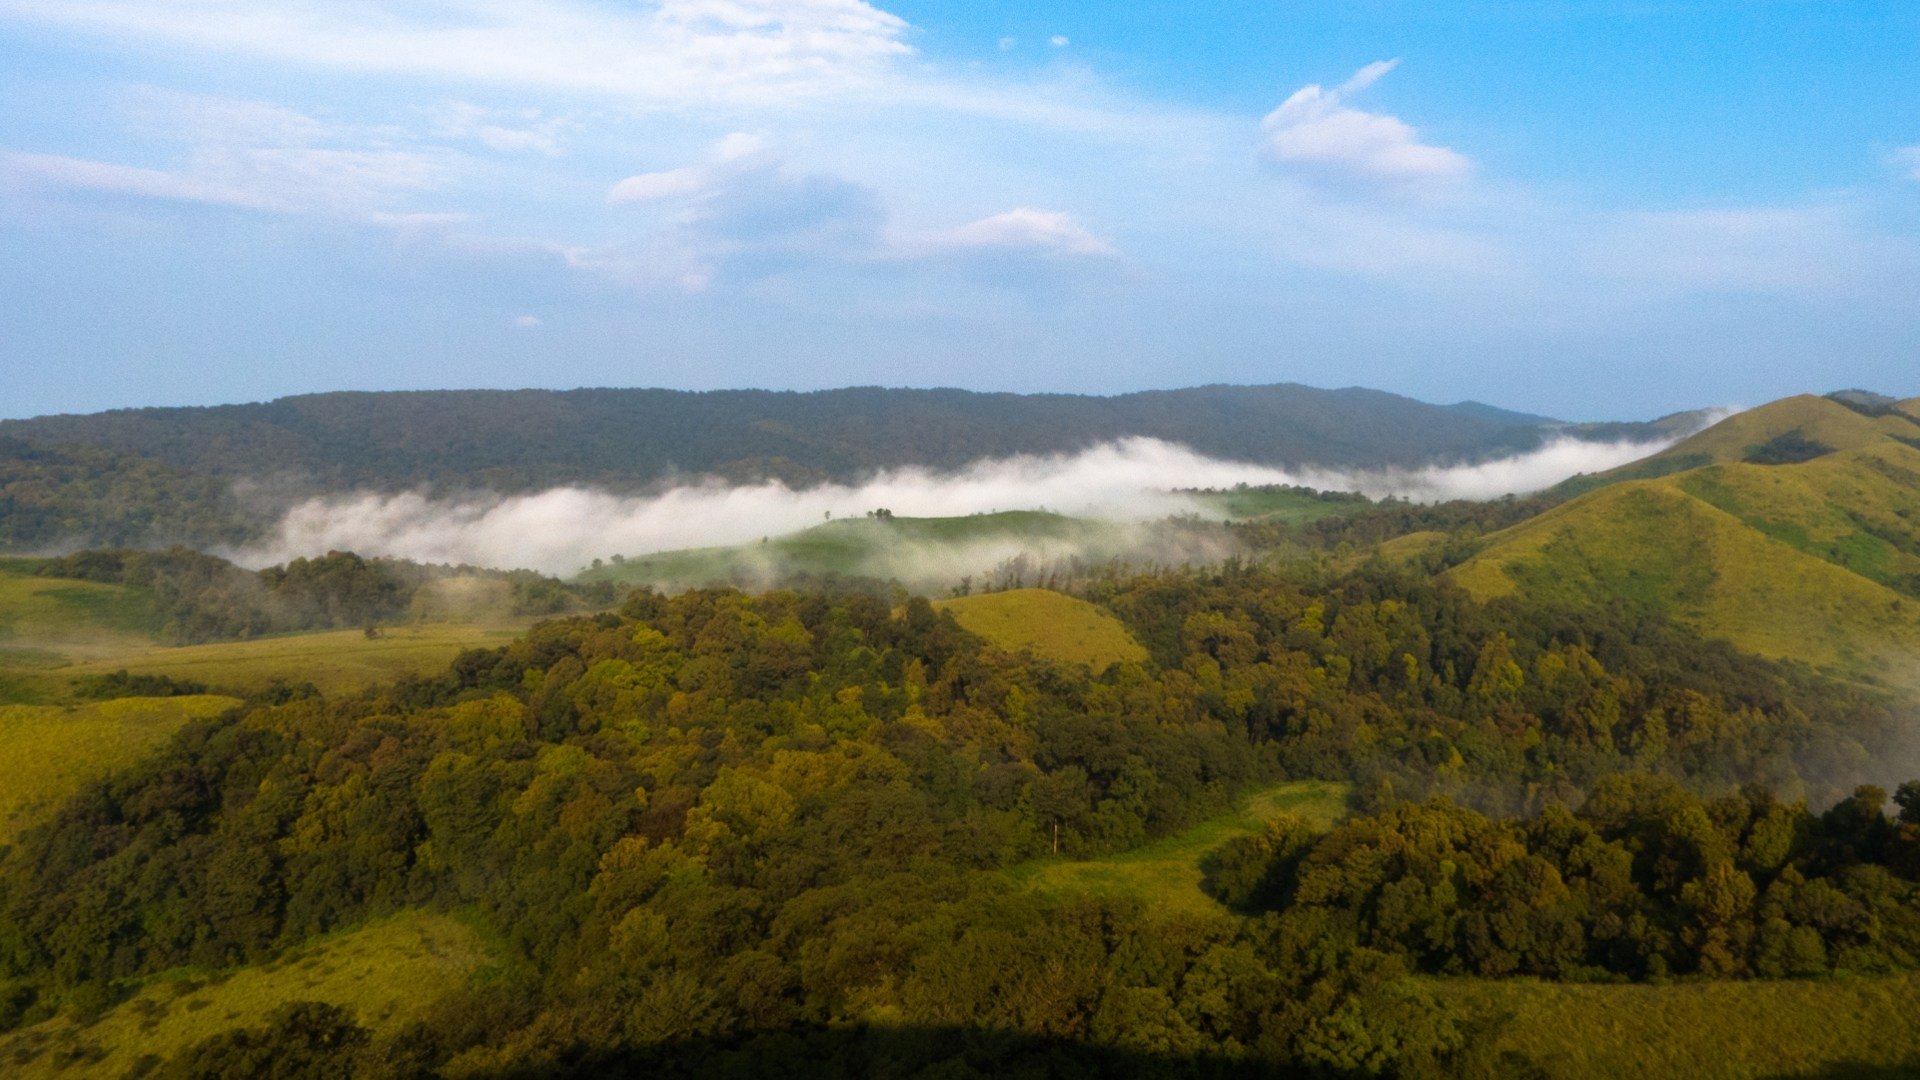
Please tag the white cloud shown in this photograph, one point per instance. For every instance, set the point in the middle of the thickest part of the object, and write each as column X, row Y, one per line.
column 1059, row 41
column 1043, row 232
column 667, row 52
column 560, row 530
column 745, row 209
column 527, row 322
column 649, row 187
column 1007, row 43
column 1316, row 129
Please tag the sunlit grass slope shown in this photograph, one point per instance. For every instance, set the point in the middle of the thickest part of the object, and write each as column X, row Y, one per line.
column 909, row 549
column 1049, row 624
column 36, row 609
column 335, row 661
column 1166, row 874
column 48, row 752
column 388, row 973
column 1703, row 1030
column 1806, row 421
column 1806, row 551
column 1858, row 509
column 1651, row 544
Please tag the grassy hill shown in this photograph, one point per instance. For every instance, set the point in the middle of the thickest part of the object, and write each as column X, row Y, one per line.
column 388, row 974
column 47, row 752
column 1797, row 538
column 1049, row 624
column 55, row 631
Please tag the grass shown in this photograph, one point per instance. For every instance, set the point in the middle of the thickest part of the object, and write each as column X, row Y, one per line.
column 388, row 973
column 36, row 609
column 1166, row 874
column 47, row 753
column 1048, row 624
column 1656, row 545
column 1719, row 1030
column 337, row 661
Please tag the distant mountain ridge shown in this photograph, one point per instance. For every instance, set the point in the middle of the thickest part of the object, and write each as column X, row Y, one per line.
column 520, row 439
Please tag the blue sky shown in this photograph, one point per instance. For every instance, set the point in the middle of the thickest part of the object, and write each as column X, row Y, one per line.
column 1590, row 209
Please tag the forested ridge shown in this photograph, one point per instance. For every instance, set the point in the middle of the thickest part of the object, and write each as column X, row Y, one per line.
column 515, row 439
column 718, row 831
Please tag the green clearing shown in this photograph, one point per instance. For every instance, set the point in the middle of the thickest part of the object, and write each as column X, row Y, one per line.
column 1166, row 874
column 336, row 661
column 1048, row 624
column 1708, row 1030
column 919, row 552
column 1294, row 506
column 47, row 752
column 36, row 609
column 388, row 973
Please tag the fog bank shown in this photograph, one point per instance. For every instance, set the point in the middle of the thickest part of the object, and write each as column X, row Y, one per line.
column 560, row 531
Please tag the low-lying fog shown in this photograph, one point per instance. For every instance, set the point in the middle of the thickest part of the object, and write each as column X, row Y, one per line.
column 561, row 530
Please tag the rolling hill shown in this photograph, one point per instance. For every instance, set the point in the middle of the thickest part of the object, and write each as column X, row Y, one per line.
column 1792, row 530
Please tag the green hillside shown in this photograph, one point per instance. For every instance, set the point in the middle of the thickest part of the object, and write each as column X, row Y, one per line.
column 1048, row 624
column 1808, row 551
column 927, row 553
column 47, row 752
column 386, row 974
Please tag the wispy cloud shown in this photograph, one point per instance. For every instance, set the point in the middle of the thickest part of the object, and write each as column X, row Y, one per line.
column 670, row 52
column 1317, row 131
column 1049, row 233
column 256, row 156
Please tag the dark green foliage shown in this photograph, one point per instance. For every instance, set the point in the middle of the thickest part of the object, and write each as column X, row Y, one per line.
column 119, row 684
column 1790, row 448
column 740, row 827
column 203, row 597
column 56, row 495
column 307, row 1040
column 1644, row 880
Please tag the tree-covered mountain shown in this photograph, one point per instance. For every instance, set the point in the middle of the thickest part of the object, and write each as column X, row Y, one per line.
column 509, row 440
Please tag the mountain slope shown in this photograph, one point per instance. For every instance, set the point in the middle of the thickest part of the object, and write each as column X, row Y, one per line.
column 1816, row 559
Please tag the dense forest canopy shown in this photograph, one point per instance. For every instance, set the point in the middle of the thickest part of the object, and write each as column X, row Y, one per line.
column 728, row 826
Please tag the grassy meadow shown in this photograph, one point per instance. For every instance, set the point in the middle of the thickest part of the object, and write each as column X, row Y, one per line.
column 1047, row 623
column 1166, row 874
column 336, row 661
column 388, row 974
column 1827, row 1028
column 47, row 752
column 1290, row 505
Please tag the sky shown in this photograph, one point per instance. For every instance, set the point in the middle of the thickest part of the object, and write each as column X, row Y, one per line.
column 1588, row 209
